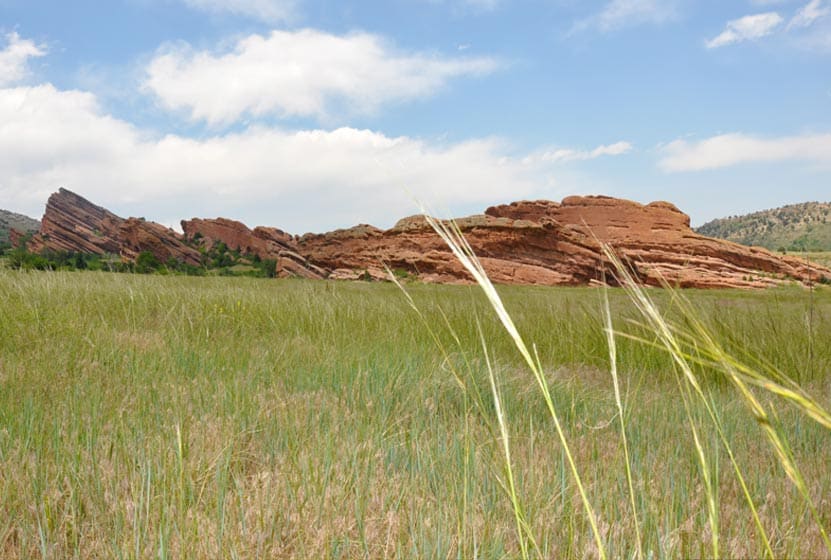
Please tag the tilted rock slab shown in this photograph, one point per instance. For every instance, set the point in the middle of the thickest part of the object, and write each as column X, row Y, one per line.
column 72, row 223
column 265, row 242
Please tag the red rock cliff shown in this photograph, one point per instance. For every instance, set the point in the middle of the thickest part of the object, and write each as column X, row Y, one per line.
column 529, row 242
column 72, row 223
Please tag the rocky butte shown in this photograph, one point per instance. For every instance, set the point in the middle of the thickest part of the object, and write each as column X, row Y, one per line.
column 72, row 223
column 528, row 242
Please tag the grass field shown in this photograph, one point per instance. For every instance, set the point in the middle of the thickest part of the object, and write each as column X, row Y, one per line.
column 823, row 258
column 818, row 257
column 178, row 417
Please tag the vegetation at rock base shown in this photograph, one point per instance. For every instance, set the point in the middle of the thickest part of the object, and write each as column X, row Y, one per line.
column 158, row 416
column 218, row 260
column 797, row 227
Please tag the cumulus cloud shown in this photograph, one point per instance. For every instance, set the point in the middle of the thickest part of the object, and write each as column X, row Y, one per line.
column 746, row 28
column 306, row 73
column 270, row 11
column 15, row 57
column 618, row 14
column 809, row 14
column 299, row 180
column 565, row 155
column 727, row 150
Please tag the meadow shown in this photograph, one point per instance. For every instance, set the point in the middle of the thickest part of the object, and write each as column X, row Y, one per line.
column 149, row 416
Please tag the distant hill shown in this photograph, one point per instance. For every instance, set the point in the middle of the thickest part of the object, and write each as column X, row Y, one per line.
column 797, row 227
column 9, row 220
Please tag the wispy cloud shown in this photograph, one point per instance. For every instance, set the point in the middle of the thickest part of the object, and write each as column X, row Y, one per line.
column 565, row 155
column 746, row 28
column 305, row 73
column 727, row 150
column 618, row 14
column 270, row 11
column 469, row 5
column 15, row 57
column 809, row 14
column 483, row 4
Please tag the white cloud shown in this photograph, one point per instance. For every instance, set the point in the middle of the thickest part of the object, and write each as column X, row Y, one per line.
column 301, row 73
column 746, row 28
column 809, row 14
column 470, row 5
column 486, row 5
column 297, row 180
column 14, row 58
column 565, row 155
column 618, row 14
column 270, row 11
column 727, row 150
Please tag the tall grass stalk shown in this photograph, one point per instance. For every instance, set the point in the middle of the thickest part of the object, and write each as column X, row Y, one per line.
column 685, row 347
column 453, row 237
column 318, row 420
column 519, row 515
column 701, row 343
column 610, row 337
column 465, row 382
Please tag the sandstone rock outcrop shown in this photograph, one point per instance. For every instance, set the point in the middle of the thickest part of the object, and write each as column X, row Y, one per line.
column 265, row 242
column 511, row 251
column 72, row 223
column 657, row 240
column 529, row 242
column 16, row 237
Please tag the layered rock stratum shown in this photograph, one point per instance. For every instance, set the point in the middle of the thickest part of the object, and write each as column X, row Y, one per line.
column 264, row 242
column 528, row 242
column 72, row 223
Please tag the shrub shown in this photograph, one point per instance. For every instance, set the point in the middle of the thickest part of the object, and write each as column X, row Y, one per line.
column 146, row 263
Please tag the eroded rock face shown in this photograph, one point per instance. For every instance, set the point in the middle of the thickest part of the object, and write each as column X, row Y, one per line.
column 136, row 235
column 512, row 252
column 265, row 242
column 72, row 223
column 529, row 242
column 656, row 238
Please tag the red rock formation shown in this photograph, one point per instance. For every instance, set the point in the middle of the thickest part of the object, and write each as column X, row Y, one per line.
column 72, row 223
column 512, row 252
column 15, row 237
column 136, row 235
column 529, row 242
column 656, row 238
column 265, row 242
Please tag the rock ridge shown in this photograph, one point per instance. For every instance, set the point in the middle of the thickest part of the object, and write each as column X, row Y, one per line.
column 537, row 242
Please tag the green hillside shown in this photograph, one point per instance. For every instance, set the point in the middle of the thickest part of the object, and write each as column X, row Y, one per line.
column 797, row 227
column 9, row 220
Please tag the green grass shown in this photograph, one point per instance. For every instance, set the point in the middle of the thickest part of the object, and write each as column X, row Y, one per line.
column 180, row 417
column 823, row 258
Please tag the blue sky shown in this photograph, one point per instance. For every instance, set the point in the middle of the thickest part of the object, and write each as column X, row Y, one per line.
column 310, row 115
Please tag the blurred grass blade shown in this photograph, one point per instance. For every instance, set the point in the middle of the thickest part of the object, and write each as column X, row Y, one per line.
column 452, row 236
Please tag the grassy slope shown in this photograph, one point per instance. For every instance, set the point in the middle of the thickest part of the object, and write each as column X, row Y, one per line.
column 794, row 227
column 823, row 258
column 212, row 417
column 20, row 222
